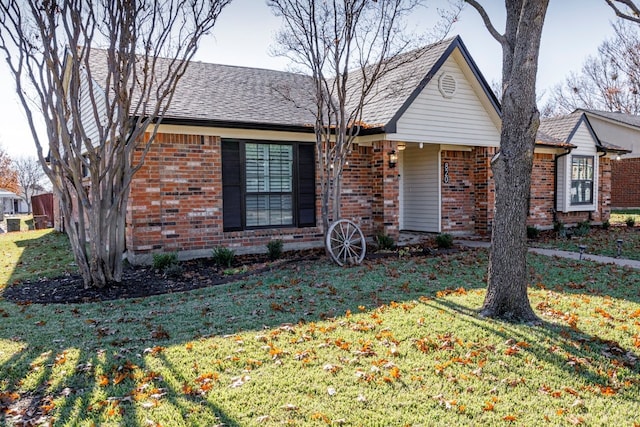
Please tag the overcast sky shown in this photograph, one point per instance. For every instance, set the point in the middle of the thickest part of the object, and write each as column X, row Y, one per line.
column 245, row 32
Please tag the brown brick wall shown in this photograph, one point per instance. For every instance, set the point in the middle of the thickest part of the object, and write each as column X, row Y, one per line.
column 385, row 189
column 485, row 194
column 542, row 194
column 175, row 202
column 625, row 183
column 459, row 194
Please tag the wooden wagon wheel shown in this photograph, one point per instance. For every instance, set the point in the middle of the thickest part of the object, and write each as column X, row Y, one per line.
column 345, row 242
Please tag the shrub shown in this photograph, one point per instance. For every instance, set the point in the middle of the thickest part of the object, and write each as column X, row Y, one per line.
column 559, row 228
column 630, row 221
column 385, row 241
column 164, row 261
column 532, row 232
column 173, row 270
column 274, row 249
column 582, row 228
column 606, row 224
column 223, row 257
column 444, row 240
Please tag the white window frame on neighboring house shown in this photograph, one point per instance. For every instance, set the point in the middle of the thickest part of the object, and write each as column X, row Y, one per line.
column 582, row 178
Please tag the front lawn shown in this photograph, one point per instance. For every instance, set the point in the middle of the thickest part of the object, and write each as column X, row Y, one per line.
column 393, row 342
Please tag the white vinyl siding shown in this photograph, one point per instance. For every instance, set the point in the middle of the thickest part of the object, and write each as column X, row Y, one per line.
column 585, row 146
column 459, row 120
column 87, row 113
column 421, row 188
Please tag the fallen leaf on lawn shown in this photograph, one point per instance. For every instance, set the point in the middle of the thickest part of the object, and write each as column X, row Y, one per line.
column 290, row 407
column 331, row 391
column 239, row 381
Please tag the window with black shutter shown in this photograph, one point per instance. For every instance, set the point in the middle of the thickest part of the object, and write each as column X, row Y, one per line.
column 267, row 184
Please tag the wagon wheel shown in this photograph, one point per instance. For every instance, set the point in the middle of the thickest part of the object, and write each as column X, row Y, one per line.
column 345, row 242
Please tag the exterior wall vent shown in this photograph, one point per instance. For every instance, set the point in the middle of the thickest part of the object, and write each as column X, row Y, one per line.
column 447, row 85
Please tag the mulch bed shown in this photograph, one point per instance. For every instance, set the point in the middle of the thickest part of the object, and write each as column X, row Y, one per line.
column 143, row 281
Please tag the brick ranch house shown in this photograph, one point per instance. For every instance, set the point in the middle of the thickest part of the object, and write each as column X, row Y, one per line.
column 233, row 164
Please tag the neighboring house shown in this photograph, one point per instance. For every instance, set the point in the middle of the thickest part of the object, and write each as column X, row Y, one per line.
column 622, row 130
column 233, row 163
column 581, row 183
column 10, row 203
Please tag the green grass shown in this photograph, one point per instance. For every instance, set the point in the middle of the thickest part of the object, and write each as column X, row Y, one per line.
column 600, row 242
column 620, row 216
column 390, row 343
column 33, row 254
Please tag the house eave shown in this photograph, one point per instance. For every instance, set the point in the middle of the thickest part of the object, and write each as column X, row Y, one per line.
column 279, row 127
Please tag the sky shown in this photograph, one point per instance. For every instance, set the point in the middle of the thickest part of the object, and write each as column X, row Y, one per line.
column 244, row 36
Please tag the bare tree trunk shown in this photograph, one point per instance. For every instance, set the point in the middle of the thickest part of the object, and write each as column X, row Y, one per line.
column 507, row 275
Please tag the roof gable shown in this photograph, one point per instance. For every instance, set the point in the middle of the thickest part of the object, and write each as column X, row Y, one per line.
column 396, row 91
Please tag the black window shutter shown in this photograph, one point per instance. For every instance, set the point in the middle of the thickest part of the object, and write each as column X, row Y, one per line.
column 306, row 186
column 231, row 186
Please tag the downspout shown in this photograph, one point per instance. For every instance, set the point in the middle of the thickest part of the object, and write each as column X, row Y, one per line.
column 596, row 190
column 555, row 184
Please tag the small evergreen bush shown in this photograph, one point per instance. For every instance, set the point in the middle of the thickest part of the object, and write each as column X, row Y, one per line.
column 532, row 232
column 274, row 249
column 630, row 221
column 223, row 257
column 582, row 229
column 444, row 241
column 164, row 261
column 385, row 241
column 606, row 224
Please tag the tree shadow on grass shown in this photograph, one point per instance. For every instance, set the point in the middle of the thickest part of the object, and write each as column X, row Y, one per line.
column 114, row 347
column 567, row 348
column 47, row 255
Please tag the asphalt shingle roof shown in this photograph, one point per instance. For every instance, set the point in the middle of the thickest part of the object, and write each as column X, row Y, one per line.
column 393, row 89
column 232, row 94
column 628, row 119
column 559, row 128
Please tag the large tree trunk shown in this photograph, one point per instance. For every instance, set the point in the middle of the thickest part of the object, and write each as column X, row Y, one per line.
column 507, row 279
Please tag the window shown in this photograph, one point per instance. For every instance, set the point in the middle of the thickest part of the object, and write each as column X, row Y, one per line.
column 267, row 184
column 582, row 180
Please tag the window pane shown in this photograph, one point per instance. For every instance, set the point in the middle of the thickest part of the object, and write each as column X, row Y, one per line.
column 262, row 210
column 581, row 180
column 269, row 183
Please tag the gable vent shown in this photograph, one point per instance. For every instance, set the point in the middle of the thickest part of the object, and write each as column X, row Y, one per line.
column 447, row 85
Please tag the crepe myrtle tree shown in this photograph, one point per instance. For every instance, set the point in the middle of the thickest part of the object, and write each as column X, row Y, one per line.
column 99, row 75
column 507, row 276
column 346, row 46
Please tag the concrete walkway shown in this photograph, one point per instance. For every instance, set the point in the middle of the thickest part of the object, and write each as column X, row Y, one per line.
column 562, row 254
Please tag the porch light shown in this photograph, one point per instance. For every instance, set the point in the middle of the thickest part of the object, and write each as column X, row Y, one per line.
column 618, row 157
column 393, row 159
column 401, row 146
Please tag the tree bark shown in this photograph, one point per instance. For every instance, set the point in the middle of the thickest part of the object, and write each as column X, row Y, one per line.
column 507, row 274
